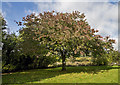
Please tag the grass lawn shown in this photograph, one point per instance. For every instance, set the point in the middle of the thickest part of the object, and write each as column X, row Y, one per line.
column 80, row 74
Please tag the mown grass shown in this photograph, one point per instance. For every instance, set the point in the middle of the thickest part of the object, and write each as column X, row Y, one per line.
column 80, row 74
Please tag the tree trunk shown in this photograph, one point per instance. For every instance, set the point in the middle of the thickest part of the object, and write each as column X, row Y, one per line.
column 63, row 63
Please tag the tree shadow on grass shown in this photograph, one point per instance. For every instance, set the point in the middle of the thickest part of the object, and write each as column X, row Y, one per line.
column 91, row 69
column 41, row 74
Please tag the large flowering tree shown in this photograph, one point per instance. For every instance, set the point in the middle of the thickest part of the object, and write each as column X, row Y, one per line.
column 66, row 34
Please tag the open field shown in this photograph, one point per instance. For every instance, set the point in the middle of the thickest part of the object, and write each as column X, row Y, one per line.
column 80, row 74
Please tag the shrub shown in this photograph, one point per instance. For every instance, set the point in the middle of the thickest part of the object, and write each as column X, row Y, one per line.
column 24, row 62
column 100, row 61
column 8, row 68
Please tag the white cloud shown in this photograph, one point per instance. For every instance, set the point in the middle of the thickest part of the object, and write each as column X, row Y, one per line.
column 28, row 11
column 4, row 14
column 46, row 6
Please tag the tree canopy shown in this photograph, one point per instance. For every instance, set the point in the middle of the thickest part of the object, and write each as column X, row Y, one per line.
column 65, row 34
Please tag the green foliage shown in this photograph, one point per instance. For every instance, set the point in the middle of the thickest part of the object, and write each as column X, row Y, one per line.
column 21, row 52
column 2, row 22
column 42, row 62
column 28, row 45
column 100, row 61
column 10, row 53
column 111, row 56
column 24, row 62
column 115, row 56
column 9, row 47
column 8, row 68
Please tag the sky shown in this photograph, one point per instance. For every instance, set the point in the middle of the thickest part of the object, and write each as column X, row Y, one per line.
column 100, row 14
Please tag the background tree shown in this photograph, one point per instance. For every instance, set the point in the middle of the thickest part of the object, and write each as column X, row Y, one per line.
column 66, row 34
column 7, row 44
column 14, row 54
column 2, row 33
column 114, row 56
column 2, row 28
